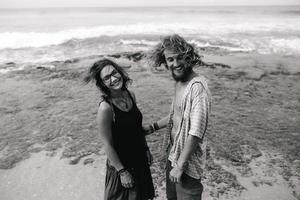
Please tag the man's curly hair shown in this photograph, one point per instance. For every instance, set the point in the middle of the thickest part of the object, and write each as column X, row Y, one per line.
column 177, row 44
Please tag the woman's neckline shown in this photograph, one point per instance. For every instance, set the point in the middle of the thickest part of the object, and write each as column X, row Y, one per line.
column 129, row 109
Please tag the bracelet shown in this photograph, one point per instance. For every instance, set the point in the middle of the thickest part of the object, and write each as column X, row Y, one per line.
column 121, row 171
column 155, row 126
column 151, row 128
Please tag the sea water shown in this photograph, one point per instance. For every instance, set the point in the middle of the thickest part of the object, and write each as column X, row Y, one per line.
column 54, row 34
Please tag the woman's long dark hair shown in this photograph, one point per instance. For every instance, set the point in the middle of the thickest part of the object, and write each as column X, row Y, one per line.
column 94, row 74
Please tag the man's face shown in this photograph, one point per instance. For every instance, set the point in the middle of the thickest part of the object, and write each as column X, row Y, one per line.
column 177, row 65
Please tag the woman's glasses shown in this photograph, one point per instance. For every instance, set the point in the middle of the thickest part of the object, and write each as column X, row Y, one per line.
column 107, row 78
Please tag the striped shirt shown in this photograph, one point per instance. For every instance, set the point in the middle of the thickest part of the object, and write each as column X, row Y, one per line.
column 194, row 119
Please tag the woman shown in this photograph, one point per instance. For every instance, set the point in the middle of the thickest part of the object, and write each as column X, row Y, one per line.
column 128, row 174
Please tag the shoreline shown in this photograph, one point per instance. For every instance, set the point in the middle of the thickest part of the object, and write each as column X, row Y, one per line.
column 254, row 117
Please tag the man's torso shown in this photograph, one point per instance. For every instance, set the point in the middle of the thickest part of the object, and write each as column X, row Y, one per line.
column 179, row 96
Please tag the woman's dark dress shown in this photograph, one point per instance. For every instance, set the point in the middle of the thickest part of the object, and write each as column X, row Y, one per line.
column 129, row 143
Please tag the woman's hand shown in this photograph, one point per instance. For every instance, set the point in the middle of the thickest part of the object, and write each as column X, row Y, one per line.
column 126, row 179
column 149, row 157
column 148, row 130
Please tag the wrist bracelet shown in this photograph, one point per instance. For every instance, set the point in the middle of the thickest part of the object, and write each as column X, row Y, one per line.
column 155, row 126
column 121, row 171
column 151, row 128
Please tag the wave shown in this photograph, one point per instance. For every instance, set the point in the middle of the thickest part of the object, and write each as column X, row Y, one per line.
column 222, row 46
column 35, row 39
column 287, row 46
column 138, row 42
column 105, row 45
column 15, row 40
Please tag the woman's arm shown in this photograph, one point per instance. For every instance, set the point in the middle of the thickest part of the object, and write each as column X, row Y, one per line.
column 104, row 120
column 162, row 123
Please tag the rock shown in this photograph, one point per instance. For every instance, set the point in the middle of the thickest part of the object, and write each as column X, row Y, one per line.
column 215, row 65
column 135, row 56
column 256, row 154
column 40, row 67
column 10, row 63
column 67, row 61
column 51, row 154
column 46, row 67
column 115, row 56
column 74, row 60
column 36, row 150
column 55, row 62
column 232, row 74
column 291, row 70
column 88, row 161
column 255, row 74
column 255, row 183
column 75, row 160
column 251, row 74
column 10, row 161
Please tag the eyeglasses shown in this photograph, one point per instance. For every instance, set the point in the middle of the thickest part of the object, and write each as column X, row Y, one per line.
column 107, row 78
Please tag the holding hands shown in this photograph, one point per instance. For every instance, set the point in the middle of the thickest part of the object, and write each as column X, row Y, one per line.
column 151, row 128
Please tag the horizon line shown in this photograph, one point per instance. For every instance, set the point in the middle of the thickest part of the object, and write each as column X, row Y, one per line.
column 175, row 6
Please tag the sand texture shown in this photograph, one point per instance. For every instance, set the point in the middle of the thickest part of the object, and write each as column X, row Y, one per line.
column 50, row 148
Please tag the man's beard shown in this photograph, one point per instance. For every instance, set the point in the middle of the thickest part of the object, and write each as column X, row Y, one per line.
column 184, row 76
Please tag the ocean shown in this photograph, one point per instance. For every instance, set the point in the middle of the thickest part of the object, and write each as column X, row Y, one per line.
column 55, row 34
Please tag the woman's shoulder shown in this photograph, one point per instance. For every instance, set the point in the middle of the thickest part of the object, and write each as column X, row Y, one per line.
column 104, row 106
column 105, row 113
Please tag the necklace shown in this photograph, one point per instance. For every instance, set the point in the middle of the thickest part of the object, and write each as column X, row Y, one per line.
column 122, row 102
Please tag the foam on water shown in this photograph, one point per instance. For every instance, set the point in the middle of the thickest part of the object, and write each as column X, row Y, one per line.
column 138, row 42
column 223, row 29
column 110, row 45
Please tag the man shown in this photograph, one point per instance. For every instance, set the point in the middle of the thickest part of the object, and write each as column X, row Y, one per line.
column 187, row 122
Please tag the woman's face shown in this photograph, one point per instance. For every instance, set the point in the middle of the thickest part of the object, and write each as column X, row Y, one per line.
column 111, row 78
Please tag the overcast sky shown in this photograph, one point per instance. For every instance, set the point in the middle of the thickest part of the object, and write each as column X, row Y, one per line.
column 122, row 3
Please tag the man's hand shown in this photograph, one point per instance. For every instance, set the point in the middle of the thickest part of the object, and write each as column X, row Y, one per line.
column 126, row 179
column 149, row 157
column 175, row 174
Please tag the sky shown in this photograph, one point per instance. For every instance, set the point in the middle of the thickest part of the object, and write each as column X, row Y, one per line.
column 130, row 3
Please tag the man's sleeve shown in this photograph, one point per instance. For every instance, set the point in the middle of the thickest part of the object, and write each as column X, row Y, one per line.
column 199, row 111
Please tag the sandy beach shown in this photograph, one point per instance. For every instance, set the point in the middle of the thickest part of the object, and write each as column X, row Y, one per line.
column 50, row 148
